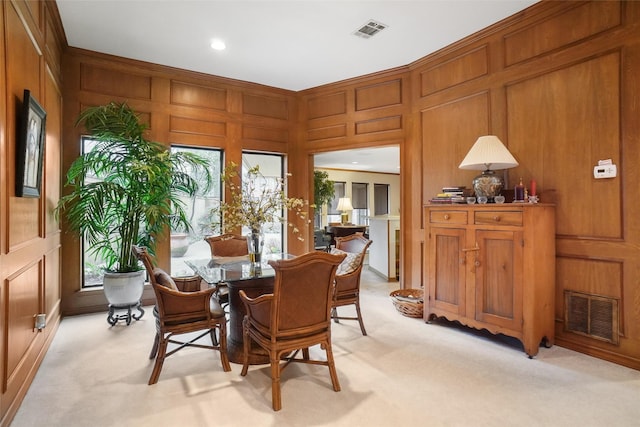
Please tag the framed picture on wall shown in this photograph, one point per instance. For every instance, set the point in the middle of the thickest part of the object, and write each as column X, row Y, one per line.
column 30, row 147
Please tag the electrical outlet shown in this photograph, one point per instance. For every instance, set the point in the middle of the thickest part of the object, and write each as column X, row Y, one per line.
column 40, row 321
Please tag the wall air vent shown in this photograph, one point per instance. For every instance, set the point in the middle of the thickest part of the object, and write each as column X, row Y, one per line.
column 370, row 29
column 592, row 315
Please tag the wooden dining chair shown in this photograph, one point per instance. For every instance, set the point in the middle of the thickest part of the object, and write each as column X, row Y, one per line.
column 178, row 312
column 227, row 244
column 294, row 317
column 347, row 289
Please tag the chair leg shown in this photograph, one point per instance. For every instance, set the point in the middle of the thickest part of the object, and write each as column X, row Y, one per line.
column 214, row 338
column 157, row 367
column 224, row 358
column 334, row 315
column 154, row 349
column 364, row 332
column 276, row 398
column 246, row 345
column 332, row 366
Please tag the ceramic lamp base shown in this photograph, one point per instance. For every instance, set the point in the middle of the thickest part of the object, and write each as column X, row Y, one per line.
column 488, row 184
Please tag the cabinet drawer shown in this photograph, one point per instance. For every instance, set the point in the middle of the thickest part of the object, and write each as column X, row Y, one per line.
column 448, row 217
column 498, row 218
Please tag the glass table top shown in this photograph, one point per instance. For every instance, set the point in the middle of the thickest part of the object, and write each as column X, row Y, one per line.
column 229, row 269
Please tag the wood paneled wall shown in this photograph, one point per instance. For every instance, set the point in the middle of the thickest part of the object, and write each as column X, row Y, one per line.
column 560, row 100
column 29, row 235
column 181, row 108
column 556, row 82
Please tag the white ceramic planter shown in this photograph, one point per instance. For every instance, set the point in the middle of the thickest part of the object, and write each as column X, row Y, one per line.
column 124, row 289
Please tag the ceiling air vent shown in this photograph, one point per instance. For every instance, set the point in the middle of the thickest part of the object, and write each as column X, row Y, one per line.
column 370, row 29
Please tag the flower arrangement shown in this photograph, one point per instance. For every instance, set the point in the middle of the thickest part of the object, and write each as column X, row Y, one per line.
column 257, row 201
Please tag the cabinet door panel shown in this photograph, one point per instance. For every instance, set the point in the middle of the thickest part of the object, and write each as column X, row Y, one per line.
column 499, row 278
column 447, row 270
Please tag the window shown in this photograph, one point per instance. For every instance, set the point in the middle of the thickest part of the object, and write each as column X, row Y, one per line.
column 93, row 267
column 183, row 244
column 191, row 245
column 272, row 168
column 333, row 214
column 360, row 214
column 380, row 199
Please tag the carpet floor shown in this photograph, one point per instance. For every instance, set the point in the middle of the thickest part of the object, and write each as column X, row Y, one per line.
column 404, row 373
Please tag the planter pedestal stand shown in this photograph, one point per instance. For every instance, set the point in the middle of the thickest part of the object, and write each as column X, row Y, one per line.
column 113, row 318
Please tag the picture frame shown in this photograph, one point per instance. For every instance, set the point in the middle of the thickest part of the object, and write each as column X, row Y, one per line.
column 30, row 145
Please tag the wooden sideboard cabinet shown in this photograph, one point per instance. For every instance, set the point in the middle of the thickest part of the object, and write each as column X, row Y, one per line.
column 492, row 267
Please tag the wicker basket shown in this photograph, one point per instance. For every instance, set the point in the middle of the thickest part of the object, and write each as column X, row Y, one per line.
column 403, row 301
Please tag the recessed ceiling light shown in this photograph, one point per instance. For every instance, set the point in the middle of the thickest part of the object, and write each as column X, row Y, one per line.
column 218, row 44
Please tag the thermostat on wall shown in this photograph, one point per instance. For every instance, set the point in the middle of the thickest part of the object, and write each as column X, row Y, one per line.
column 605, row 169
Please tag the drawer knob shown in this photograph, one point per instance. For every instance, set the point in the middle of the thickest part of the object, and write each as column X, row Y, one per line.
column 446, row 216
column 496, row 218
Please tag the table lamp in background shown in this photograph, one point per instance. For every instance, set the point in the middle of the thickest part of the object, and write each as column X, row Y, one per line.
column 488, row 154
column 344, row 206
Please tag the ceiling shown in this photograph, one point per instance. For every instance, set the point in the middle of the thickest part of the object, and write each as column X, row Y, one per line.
column 293, row 45
column 383, row 159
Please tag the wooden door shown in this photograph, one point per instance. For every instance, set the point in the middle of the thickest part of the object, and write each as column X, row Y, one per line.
column 499, row 278
column 447, row 271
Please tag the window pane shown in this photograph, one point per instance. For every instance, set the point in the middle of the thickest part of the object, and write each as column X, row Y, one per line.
column 381, row 199
column 339, row 191
column 272, row 168
column 93, row 267
column 191, row 245
column 359, row 195
column 359, row 200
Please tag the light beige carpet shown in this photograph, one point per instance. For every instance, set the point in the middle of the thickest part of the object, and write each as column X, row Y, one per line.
column 405, row 373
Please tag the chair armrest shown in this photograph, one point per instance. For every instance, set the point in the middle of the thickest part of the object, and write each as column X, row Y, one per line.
column 348, row 283
column 259, row 308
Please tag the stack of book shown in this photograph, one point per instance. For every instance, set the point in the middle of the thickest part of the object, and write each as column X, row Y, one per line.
column 450, row 195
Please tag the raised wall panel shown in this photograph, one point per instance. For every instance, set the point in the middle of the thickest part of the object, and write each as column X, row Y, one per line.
column 569, row 27
column 327, row 105
column 197, row 127
column 558, row 140
column 53, row 46
column 114, row 82
column 24, row 213
column 21, row 298
column 378, row 95
column 455, row 71
column 198, row 96
column 265, row 106
column 589, row 276
column 327, row 132
column 265, row 134
column 448, row 132
column 52, row 174
column 379, row 125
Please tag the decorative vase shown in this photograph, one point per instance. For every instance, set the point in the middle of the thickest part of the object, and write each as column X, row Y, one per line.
column 255, row 244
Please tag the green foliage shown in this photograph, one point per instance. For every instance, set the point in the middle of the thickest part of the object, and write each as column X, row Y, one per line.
column 126, row 190
column 323, row 190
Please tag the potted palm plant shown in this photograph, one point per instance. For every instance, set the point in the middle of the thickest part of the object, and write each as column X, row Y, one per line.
column 126, row 191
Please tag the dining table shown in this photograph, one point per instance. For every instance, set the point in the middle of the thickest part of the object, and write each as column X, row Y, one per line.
column 239, row 273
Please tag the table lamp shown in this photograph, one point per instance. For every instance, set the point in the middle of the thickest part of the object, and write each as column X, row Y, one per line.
column 344, row 205
column 488, row 154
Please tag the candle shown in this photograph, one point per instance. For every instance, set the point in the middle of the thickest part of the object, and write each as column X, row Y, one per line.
column 532, row 188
